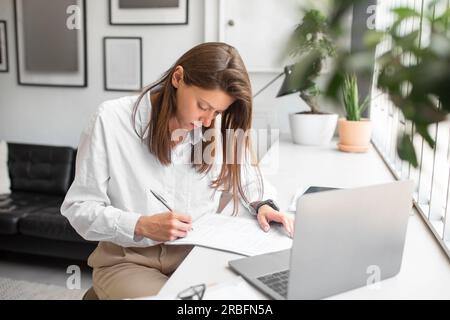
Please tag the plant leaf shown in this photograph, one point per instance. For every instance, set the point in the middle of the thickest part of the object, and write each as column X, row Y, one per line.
column 422, row 129
column 373, row 38
column 406, row 151
column 405, row 12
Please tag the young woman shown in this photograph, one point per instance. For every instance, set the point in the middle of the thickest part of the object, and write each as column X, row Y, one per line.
column 180, row 139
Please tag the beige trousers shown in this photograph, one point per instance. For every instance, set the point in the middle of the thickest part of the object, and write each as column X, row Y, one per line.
column 120, row 273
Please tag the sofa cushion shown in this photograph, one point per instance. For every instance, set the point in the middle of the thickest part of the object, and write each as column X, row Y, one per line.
column 9, row 221
column 49, row 223
column 5, row 181
column 18, row 204
column 39, row 168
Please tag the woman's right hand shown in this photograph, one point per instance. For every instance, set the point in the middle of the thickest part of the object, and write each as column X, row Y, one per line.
column 166, row 226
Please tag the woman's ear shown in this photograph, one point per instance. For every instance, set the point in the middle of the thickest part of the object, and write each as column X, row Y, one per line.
column 177, row 76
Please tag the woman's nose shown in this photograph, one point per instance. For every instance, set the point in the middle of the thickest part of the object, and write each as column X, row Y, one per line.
column 207, row 119
column 207, row 122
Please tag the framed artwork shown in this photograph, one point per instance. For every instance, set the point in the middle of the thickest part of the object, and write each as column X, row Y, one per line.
column 122, row 63
column 148, row 12
column 4, row 66
column 51, row 47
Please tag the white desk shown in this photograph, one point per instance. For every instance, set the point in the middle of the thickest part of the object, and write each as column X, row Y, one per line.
column 425, row 272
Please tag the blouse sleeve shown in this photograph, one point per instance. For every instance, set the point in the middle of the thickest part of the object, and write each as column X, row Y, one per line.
column 87, row 205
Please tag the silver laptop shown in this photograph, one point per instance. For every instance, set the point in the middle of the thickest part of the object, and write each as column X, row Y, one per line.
column 343, row 239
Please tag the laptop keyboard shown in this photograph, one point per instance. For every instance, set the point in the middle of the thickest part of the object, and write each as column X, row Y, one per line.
column 277, row 281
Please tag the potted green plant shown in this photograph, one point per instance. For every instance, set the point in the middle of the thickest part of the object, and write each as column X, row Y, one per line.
column 354, row 132
column 311, row 45
column 419, row 89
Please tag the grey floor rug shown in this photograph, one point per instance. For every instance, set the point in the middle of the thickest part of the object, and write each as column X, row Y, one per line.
column 11, row 289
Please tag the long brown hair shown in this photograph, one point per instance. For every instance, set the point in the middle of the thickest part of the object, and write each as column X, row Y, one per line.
column 212, row 65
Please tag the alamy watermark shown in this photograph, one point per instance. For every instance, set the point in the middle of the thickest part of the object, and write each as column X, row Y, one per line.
column 373, row 281
column 73, row 21
column 371, row 20
column 73, row 282
column 236, row 152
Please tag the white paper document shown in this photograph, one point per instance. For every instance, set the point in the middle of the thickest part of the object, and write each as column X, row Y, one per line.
column 235, row 234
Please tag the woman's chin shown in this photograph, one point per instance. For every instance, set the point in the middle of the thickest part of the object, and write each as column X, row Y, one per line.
column 192, row 126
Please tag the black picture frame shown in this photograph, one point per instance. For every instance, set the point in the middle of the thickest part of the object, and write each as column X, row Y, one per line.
column 4, row 58
column 141, row 23
column 138, row 87
column 50, row 79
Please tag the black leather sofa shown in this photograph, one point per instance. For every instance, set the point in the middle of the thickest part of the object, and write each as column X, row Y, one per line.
column 30, row 218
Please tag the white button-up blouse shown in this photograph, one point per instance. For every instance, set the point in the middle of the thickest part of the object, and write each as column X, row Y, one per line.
column 115, row 172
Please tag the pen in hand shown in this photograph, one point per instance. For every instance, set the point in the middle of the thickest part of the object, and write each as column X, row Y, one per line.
column 163, row 201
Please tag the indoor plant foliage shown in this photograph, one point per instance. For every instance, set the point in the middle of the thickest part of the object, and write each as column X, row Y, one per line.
column 427, row 98
column 354, row 131
column 350, row 96
column 311, row 44
column 418, row 89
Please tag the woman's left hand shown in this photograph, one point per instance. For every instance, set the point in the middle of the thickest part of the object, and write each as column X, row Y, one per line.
column 267, row 214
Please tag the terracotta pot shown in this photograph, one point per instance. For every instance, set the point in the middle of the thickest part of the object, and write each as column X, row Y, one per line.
column 354, row 136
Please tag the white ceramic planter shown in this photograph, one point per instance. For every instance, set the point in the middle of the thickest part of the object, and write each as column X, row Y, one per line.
column 312, row 129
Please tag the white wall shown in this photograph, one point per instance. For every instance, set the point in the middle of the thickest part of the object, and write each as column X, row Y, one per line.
column 56, row 116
